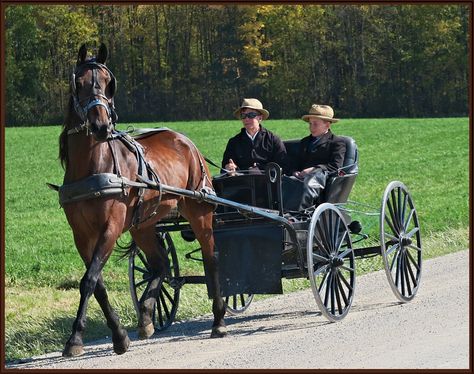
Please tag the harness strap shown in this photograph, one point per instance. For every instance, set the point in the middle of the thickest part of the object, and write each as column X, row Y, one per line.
column 78, row 129
column 95, row 186
column 144, row 171
column 114, row 158
column 204, row 177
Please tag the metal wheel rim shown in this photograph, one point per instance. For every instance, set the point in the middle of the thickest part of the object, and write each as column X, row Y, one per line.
column 237, row 304
column 166, row 306
column 400, row 241
column 329, row 243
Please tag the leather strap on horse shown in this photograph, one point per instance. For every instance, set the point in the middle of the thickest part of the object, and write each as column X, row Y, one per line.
column 208, row 189
column 114, row 158
column 94, row 186
column 144, row 171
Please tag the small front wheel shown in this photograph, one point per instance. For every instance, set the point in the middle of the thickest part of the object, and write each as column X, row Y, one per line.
column 400, row 241
column 331, row 262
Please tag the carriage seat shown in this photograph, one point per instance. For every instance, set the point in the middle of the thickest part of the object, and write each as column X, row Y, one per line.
column 351, row 158
column 339, row 185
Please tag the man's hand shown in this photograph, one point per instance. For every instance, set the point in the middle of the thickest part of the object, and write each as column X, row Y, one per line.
column 298, row 174
column 301, row 174
column 231, row 167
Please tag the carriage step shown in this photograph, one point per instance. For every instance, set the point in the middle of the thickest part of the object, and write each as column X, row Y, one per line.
column 189, row 255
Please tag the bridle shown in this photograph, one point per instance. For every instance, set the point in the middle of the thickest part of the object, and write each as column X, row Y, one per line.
column 96, row 98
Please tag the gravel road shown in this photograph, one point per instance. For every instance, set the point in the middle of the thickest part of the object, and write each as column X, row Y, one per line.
column 288, row 331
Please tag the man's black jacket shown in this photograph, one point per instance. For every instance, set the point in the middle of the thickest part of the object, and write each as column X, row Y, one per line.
column 265, row 148
column 328, row 153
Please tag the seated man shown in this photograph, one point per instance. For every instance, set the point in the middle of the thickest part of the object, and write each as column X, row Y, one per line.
column 254, row 146
column 320, row 154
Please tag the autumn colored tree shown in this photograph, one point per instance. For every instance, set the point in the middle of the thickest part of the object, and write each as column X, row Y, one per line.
column 197, row 61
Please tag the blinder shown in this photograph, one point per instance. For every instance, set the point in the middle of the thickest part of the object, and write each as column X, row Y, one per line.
column 111, row 86
column 73, row 84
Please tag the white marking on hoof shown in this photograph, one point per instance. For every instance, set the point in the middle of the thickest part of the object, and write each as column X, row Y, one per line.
column 73, row 351
column 145, row 332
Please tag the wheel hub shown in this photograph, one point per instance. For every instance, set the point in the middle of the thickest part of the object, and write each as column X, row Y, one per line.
column 405, row 241
column 336, row 262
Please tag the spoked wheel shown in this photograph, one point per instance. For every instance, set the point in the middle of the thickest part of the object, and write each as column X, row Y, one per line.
column 140, row 276
column 400, row 241
column 237, row 304
column 331, row 262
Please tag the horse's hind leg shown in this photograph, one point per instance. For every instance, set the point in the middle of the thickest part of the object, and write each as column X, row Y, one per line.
column 157, row 258
column 199, row 216
column 119, row 334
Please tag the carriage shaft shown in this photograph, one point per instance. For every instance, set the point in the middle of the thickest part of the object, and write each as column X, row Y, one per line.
column 210, row 198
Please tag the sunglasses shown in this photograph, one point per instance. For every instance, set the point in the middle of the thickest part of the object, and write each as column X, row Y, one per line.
column 251, row 115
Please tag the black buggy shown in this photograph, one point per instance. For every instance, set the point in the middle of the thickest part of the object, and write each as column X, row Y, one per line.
column 258, row 242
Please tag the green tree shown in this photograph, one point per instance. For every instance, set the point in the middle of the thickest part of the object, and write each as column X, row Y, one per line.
column 41, row 44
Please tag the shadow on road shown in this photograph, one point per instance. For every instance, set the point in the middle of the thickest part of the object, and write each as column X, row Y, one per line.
column 200, row 328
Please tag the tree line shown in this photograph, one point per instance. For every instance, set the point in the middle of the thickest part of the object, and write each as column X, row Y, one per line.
column 197, row 61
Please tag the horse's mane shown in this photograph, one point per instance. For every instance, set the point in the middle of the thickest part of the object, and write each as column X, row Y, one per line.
column 68, row 120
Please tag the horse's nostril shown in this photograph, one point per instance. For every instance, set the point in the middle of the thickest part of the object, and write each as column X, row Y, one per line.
column 94, row 127
column 102, row 133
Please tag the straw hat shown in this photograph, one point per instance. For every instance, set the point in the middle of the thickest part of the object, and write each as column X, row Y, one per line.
column 324, row 112
column 252, row 104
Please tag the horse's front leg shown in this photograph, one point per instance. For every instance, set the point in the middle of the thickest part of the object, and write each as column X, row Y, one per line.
column 74, row 346
column 120, row 338
column 90, row 284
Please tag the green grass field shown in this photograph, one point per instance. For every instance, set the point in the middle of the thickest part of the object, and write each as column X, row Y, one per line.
column 43, row 268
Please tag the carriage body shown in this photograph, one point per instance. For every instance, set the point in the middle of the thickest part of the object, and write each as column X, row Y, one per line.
column 255, row 253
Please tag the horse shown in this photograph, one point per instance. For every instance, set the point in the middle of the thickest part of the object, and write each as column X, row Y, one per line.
column 90, row 148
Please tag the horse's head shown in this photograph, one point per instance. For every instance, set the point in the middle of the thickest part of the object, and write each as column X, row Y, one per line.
column 92, row 90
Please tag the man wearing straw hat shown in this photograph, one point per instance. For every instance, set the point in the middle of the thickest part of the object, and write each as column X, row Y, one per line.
column 254, row 146
column 320, row 153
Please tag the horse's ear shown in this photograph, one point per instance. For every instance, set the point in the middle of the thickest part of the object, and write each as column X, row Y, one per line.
column 102, row 55
column 81, row 56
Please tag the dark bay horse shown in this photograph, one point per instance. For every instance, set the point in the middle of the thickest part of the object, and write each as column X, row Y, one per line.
column 87, row 149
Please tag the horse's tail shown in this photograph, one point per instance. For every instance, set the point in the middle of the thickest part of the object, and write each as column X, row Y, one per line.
column 125, row 250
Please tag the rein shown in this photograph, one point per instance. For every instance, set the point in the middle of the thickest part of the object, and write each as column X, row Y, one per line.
column 78, row 129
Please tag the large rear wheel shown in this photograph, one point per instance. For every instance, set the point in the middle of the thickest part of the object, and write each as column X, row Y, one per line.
column 140, row 276
column 400, row 241
column 331, row 262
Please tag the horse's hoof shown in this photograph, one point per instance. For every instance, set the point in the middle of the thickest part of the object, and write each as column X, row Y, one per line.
column 73, row 351
column 144, row 332
column 121, row 347
column 218, row 332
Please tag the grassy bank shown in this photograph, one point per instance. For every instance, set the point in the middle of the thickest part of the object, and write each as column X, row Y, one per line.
column 43, row 268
